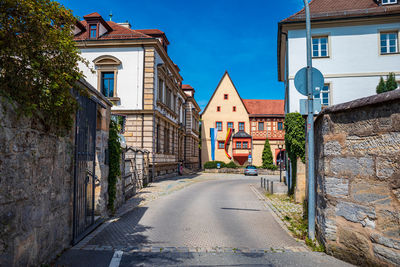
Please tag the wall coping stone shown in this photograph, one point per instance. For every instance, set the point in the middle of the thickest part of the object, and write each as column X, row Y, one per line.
column 362, row 102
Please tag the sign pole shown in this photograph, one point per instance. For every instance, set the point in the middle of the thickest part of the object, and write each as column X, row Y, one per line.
column 310, row 130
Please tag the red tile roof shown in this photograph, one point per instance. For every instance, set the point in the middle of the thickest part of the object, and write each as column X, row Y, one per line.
column 264, row 107
column 151, row 31
column 118, row 32
column 92, row 15
column 328, row 9
column 187, row 87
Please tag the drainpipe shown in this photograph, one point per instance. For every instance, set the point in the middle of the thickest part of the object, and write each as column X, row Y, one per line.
column 310, row 130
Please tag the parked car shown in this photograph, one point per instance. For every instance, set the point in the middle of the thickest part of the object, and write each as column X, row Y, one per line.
column 251, row 170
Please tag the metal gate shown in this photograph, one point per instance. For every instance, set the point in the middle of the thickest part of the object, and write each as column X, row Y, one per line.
column 84, row 168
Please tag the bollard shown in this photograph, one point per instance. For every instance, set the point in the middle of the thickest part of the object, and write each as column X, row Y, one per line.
column 264, row 183
column 261, row 182
column 267, row 186
column 272, row 187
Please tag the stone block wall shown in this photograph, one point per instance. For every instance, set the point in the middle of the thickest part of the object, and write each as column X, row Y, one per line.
column 36, row 180
column 358, row 179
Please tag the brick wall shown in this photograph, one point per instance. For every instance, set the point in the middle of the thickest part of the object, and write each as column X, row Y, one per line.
column 358, row 179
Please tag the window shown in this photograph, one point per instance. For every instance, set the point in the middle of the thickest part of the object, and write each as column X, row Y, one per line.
column 221, row 144
column 241, row 126
column 324, row 95
column 168, row 97
column 158, row 145
column 261, row 126
column 238, row 144
column 93, row 31
column 234, row 109
column 160, row 89
column 388, row 2
column 225, row 96
column 107, row 84
column 166, row 141
column 320, row 46
column 389, row 42
column 218, row 109
column 280, row 126
column 230, row 125
column 245, row 144
column 218, row 125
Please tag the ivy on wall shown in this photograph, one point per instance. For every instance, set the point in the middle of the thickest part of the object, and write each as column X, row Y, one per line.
column 114, row 150
column 295, row 142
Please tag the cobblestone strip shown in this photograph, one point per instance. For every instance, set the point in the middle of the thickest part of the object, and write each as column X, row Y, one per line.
column 219, row 250
column 279, row 217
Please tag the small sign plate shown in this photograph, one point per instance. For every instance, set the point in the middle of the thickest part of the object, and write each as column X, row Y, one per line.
column 304, row 106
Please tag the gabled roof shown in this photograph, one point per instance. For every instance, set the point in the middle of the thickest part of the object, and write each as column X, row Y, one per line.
column 118, row 32
column 187, row 87
column 223, row 77
column 328, row 9
column 265, row 107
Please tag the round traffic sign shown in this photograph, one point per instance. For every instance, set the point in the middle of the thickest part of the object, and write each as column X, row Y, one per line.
column 300, row 81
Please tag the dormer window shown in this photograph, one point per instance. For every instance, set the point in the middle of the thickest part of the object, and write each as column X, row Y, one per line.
column 389, row 2
column 93, row 31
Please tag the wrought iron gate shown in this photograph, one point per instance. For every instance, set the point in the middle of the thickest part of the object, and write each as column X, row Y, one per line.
column 84, row 168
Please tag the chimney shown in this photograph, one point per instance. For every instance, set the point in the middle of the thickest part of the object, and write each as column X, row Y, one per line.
column 125, row 24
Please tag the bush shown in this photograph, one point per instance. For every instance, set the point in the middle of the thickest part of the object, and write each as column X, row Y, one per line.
column 267, row 159
column 232, row 165
column 387, row 86
column 213, row 164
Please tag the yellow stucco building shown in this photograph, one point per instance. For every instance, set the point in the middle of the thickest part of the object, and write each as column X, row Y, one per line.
column 251, row 121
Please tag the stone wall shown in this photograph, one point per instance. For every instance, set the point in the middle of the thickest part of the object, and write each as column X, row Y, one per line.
column 36, row 180
column 358, row 179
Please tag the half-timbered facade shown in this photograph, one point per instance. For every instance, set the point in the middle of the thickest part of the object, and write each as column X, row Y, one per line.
column 241, row 126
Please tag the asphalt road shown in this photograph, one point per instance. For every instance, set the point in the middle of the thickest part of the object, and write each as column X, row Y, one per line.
column 213, row 222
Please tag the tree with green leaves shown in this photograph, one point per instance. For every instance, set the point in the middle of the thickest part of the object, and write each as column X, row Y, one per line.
column 391, row 83
column 295, row 142
column 39, row 59
column 387, row 86
column 267, row 159
column 381, row 88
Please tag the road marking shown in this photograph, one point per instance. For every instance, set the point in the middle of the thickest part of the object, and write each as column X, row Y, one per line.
column 116, row 259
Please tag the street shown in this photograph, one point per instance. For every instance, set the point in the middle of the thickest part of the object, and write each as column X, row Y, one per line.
column 215, row 220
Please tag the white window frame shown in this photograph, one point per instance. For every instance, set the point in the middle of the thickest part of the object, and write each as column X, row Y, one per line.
column 387, row 41
column 329, row 95
column 319, row 44
column 389, row 2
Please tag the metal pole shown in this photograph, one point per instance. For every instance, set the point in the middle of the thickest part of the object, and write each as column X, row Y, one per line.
column 280, row 165
column 310, row 130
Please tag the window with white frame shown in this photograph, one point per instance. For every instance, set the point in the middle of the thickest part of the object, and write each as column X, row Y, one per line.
column 389, row 42
column 388, row 2
column 324, row 95
column 320, row 46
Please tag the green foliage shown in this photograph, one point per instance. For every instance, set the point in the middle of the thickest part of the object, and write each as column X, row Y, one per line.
column 232, row 165
column 295, row 142
column 391, row 83
column 38, row 59
column 114, row 150
column 213, row 164
column 387, row 86
column 267, row 159
column 381, row 88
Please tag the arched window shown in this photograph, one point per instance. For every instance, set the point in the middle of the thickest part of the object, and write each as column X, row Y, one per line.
column 107, row 71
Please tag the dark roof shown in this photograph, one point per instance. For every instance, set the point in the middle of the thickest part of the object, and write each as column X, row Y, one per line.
column 241, row 134
column 265, row 107
column 328, row 9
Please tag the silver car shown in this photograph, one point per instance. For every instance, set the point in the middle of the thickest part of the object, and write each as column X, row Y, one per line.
column 251, row 170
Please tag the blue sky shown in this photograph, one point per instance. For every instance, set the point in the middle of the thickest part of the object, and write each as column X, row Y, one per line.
column 210, row 36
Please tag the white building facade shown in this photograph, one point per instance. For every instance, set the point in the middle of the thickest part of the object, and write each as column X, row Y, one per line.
column 133, row 70
column 352, row 48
